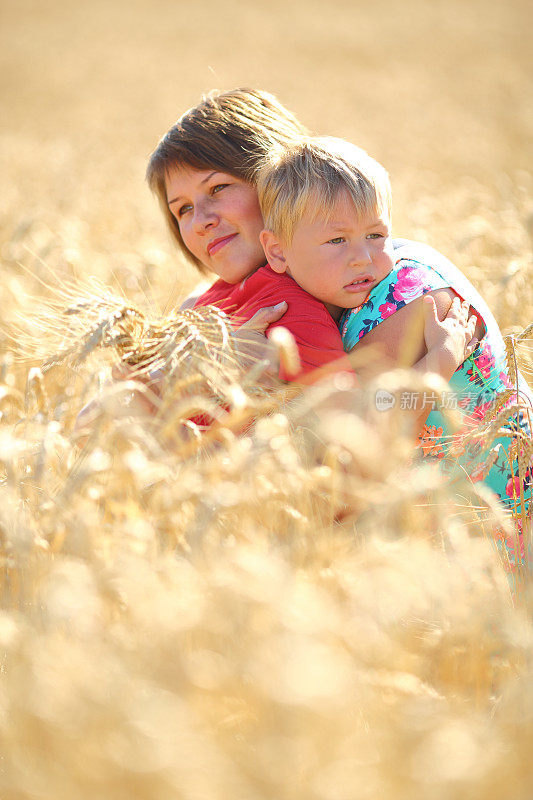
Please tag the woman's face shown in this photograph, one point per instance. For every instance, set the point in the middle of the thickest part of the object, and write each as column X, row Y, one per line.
column 219, row 220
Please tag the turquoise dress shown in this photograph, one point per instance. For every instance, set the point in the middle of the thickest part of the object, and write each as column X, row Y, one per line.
column 419, row 269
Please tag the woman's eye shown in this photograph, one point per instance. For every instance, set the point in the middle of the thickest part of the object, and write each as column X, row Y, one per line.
column 337, row 240
column 375, row 236
column 183, row 209
column 218, row 187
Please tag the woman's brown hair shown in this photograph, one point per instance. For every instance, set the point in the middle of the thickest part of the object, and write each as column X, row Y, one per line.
column 228, row 131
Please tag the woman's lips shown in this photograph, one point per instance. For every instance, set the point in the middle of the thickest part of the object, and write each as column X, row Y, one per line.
column 217, row 244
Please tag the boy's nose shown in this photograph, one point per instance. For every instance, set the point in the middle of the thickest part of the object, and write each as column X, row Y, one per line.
column 360, row 255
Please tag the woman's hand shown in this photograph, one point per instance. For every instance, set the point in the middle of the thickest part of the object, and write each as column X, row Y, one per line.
column 451, row 340
column 252, row 347
column 251, row 343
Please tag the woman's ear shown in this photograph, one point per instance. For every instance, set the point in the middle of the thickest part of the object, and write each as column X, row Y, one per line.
column 273, row 250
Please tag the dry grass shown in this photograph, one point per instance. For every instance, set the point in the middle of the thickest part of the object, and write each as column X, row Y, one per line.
column 293, row 612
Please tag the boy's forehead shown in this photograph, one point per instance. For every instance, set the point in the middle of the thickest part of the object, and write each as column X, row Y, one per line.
column 341, row 210
column 344, row 206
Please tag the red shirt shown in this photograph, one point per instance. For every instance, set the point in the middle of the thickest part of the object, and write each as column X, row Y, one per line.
column 315, row 332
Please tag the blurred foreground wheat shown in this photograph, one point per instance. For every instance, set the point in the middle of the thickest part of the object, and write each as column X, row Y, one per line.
column 276, row 611
column 291, row 612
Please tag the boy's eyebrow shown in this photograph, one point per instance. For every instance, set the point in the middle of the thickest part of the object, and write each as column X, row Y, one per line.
column 340, row 226
column 337, row 226
column 204, row 180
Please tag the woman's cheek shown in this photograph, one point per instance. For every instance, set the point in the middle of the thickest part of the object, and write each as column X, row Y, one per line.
column 185, row 232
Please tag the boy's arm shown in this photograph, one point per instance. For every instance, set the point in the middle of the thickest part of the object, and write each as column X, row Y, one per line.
column 449, row 335
column 435, row 334
column 317, row 339
column 400, row 340
column 315, row 333
column 430, row 335
column 252, row 345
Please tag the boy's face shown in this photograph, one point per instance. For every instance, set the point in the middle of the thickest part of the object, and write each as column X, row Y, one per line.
column 338, row 261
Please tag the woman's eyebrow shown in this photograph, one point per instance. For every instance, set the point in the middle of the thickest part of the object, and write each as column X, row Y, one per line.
column 204, row 180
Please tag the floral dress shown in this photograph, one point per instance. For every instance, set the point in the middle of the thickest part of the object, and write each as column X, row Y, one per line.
column 472, row 389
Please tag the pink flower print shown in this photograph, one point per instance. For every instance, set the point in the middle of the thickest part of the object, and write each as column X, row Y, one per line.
column 485, row 362
column 410, row 284
column 480, row 411
column 505, row 380
column 387, row 309
column 513, row 487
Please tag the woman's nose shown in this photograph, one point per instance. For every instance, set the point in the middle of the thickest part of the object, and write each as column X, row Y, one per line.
column 203, row 218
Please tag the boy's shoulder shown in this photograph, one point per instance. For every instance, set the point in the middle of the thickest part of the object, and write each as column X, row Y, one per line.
column 266, row 281
column 263, row 288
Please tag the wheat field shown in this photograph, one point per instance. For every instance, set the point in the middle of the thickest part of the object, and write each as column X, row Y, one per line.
column 270, row 611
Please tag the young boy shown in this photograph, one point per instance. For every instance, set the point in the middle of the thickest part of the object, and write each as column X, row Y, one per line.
column 326, row 205
column 327, row 211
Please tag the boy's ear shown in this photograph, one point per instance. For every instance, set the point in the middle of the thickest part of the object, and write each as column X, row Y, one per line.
column 273, row 250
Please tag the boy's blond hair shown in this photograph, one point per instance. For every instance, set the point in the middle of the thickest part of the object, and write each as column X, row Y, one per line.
column 304, row 179
column 227, row 131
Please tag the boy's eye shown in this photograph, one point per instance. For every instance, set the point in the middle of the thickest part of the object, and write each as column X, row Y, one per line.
column 336, row 240
column 184, row 208
column 218, row 187
column 375, row 236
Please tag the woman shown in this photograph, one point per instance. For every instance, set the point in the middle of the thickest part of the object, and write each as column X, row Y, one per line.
column 203, row 172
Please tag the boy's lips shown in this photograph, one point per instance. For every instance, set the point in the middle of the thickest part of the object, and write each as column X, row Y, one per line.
column 217, row 244
column 360, row 284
